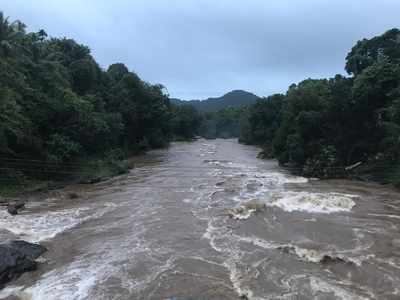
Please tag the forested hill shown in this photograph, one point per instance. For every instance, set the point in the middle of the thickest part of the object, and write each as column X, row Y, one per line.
column 235, row 98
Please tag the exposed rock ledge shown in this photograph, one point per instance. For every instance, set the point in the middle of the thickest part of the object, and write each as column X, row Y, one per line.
column 16, row 258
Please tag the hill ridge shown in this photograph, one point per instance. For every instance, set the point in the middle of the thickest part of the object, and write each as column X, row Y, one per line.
column 234, row 98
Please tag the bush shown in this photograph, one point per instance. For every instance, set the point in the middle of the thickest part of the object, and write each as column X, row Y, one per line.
column 61, row 148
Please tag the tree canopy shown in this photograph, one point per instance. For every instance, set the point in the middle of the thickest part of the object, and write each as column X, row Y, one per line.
column 57, row 104
column 320, row 126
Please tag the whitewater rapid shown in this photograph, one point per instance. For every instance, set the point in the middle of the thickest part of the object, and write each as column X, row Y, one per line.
column 208, row 220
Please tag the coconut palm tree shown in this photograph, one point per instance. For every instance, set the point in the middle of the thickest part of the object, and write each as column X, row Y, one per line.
column 10, row 33
column 5, row 34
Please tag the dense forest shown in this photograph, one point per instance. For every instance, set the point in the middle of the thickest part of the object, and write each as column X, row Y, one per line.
column 320, row 126
column 58, row 106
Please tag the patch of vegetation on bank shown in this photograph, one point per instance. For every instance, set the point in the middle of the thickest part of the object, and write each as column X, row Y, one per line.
column 42, row 176
column 101, row 169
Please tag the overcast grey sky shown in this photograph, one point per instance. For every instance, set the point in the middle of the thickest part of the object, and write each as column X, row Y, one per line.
column 205, row 48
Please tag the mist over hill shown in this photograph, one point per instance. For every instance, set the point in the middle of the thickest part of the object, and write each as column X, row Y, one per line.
column 234, row 98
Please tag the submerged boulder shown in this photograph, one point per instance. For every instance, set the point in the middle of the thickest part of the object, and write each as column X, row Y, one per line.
column 16, row 258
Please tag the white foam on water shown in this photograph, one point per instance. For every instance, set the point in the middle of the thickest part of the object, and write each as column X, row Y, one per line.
column 276, row 178
column 319, row 286
column 209, row 235
column 75, row 283
column 79, row 279
column 315, row 256
column 37, row 227
column 158, row 272
column 257, row 185
column 10, row 291
column 258, row 242
column 308, row 255
column 386, row 216
column 230, row 263
column 310, row 220
column 395, row 263
column 244, row 215
column 236, row 278
column 313, row 202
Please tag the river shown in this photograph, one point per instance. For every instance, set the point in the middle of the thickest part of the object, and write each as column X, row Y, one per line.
column 208, row 220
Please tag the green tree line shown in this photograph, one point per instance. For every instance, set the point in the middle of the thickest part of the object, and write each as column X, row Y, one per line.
column 320, row 126
column 58, row 105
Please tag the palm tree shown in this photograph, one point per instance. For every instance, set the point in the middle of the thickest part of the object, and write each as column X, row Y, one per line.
column 5, row 34
column 9, row 34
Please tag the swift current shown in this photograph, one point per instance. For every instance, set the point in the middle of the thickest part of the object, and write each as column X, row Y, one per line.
column 209, row 220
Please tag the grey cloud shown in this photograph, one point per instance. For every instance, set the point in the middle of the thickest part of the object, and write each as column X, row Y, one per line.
column 205, row 48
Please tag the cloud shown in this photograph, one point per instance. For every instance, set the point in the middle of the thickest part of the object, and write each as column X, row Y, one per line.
column 205, row 48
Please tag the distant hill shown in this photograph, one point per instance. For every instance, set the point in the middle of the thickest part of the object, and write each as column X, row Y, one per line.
column 231, row 99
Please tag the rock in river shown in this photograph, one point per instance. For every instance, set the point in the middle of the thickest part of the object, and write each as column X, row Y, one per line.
column 17, row 257
column 12, row 210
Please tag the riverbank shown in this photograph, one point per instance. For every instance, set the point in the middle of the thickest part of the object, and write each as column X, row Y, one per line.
column 371, row 171
column 30, row 176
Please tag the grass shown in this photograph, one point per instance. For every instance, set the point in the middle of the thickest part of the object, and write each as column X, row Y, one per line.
column 13, row 188
column 99, row 169
column 45, row 177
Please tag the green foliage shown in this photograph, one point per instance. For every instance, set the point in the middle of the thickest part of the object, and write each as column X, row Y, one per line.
column 321, row 126
column 185, row 122
column 117, row 71
column 58, row 105
column 367, row 52
column 13, row 124
column 61, row 148
column 263, row 120
column 84, row 73
column 112, row 163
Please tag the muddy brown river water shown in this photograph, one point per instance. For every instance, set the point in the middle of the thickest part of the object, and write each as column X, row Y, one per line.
column 208, row 220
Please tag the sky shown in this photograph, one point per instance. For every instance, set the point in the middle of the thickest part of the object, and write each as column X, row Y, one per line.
column 205, row 48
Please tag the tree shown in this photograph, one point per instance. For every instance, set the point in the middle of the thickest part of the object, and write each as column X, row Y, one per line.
column 13, row 124
column 366, row 52
column 185, row 122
